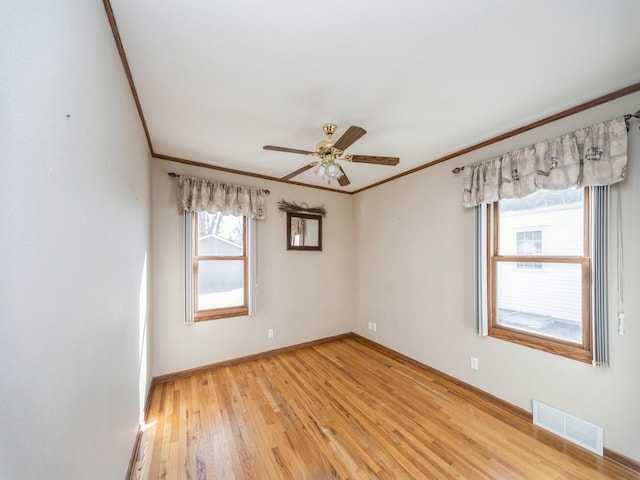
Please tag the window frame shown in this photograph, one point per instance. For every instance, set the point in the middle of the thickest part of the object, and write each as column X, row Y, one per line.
column 529, row 265
column 225, row 312
column 583, row 351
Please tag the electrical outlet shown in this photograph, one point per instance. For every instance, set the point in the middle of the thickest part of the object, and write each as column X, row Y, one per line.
column 474, row 363
column 373, row 324
column 270, row 333
column 370, row 325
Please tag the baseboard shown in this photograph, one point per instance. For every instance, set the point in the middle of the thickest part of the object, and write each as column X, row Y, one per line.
column 626, row 462
column 138, row 442
column 136, row 449
column 249, row 358
column 492, row 402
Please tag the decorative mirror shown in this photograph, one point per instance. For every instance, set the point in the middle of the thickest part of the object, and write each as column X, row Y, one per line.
column 304, row 231
column 304, row 225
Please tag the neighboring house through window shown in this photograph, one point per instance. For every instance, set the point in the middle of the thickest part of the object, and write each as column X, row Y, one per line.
column 540, row 293
column 219, row 265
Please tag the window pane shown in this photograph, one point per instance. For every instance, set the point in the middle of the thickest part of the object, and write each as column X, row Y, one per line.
column 546, row 301
column 220, row 284
column 529, row 242
column 548, row 222
column 220, row 235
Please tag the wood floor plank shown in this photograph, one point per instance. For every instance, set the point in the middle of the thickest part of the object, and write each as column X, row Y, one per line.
column 345, row 410
column 366, row 418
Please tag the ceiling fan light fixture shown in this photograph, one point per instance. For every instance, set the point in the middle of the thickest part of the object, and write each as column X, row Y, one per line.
column 320, row 170
column 333, row 170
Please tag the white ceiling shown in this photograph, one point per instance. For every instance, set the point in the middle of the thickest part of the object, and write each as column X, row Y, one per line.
column 217, row 80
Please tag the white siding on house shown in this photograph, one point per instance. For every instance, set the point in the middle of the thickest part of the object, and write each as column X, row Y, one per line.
column 214, row 245
column 554, row 222
column 553, row 289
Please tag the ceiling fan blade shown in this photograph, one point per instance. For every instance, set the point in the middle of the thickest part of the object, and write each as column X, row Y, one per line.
column 349, row 137
column 285, row 149
column 299, row 171
column 375, row 159
column 343, row 180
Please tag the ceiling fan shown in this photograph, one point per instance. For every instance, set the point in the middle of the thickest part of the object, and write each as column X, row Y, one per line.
column 329, row 151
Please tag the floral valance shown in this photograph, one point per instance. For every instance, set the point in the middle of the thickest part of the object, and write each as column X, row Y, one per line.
column 201, row 195
column 595, row 155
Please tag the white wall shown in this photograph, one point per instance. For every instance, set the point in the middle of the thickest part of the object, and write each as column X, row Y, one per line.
column 74, row 190
column 413, row 276
column 302, row 295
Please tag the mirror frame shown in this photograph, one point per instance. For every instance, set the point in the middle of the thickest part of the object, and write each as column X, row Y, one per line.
column 290, row 246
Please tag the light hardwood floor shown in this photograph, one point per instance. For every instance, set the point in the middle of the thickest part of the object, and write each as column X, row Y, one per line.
column 345, row 410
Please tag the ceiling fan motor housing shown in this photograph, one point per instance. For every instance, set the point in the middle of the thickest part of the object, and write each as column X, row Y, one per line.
column 325, row 147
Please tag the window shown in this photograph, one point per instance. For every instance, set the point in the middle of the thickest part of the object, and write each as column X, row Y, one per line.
column 218, row 264
column 540, row 293
column 529, row 242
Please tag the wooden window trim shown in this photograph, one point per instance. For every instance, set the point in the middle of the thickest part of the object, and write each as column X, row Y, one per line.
column 582, row 352
column 227, row 312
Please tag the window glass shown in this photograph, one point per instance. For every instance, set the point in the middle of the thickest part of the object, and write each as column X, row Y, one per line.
column 540, row 272
column 220, row 284
column 220, row 266
column 547, row 222
column 529, row 242
column 548, row 304
column 220, row 234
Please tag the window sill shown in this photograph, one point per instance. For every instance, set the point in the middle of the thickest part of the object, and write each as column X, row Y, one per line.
column 220, row 314
column 574, row 351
